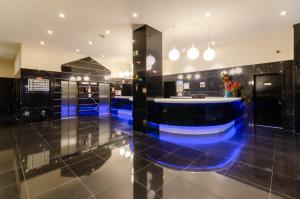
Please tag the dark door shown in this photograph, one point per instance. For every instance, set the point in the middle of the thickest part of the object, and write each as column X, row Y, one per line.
column 267, row 100
column 6, row 100
column 169, row 89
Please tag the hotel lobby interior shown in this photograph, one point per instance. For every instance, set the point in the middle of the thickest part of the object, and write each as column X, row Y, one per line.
column 127, row 99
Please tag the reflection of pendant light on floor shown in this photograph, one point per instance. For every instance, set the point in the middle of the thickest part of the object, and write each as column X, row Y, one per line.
column 193, row 53
column 150, row 61
column 174, row 54
column 209, row 54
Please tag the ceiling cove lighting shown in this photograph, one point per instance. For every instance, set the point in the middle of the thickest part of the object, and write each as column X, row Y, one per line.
column 86, row 78
column 180, row 76
column 72, row 78
column 174, row 54
column 209, row 54
column 78, row 78
column 197, row 76
column 193, row 53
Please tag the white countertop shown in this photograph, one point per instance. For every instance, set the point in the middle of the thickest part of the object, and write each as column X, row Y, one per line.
column 196, row 100
column 130, row 98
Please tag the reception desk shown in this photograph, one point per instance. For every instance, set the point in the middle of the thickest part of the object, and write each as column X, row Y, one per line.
column 121, row 106
column 194, row 116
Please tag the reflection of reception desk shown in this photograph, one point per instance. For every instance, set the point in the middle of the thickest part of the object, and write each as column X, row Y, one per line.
column 194, row 116
column 121, row 106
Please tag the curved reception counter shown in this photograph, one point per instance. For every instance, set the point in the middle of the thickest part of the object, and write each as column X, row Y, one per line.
column 193, row 116
column 121, row 106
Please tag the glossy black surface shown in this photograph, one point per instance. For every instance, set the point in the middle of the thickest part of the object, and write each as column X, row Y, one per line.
column 117, row 103
column 101, row 158
column 214, row 86
column 267, row 100
column 147, row 79
column 194, row 114
column 38, row 105
column 6, row 102
column 85, row 67
column 297, row 75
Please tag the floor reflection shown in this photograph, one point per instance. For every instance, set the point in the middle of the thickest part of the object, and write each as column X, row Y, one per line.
column 102, row 158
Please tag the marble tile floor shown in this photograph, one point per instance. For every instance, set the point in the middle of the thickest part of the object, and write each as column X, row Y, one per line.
column 102, row 158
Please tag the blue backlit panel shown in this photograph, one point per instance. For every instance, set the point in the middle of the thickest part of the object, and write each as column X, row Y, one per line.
column 195, row 130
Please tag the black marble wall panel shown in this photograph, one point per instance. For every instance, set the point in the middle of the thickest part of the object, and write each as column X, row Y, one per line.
column 6, row 100
column 147, row 80
column 38, row 106
column 297, row 75
column 215, row 86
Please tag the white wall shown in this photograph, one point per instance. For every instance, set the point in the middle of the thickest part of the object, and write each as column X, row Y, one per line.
column 7, row 68
column 50, row 58
column 252, row 50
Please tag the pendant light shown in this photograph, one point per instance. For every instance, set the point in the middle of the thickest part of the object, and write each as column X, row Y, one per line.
column 193, row 53
column 209, row 54
column 174, row 54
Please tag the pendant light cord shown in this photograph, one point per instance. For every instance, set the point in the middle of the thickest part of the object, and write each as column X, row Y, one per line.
column 208, row 36
column 193, row 34
column 173, row 36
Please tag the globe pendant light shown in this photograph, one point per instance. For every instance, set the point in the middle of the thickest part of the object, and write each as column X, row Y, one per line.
column 209, row 54
column 174, row 54
column 193, row 53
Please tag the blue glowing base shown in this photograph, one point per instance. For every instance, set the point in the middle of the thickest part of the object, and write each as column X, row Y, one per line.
column 195, row 130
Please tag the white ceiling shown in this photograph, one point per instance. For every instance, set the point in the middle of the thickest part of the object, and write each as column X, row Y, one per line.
column 27, row 21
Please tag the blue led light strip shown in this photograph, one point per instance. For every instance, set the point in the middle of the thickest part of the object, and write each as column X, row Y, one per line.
column 124, row 114
column 195, row 130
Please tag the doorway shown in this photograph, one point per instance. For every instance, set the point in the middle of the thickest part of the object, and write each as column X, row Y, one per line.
column 268, row 100
column 69, row 99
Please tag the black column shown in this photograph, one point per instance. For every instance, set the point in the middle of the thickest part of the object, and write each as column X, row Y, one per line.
column 147, row 73
column 297, row 76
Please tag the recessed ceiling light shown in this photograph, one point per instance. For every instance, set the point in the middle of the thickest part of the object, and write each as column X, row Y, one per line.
column 62, row 15
column 77, row 50
column 208, row 14
column 42, row 43
column 213, row 42
column 135, row 14
column 107, row 32
column 90, row 42
column 103, row 56
column 283, row 13
column 50, row 32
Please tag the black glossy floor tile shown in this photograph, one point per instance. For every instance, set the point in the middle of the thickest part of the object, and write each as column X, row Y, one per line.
column 126, row 189
column 8, row 178
column 12, row 192
column 285, row 186
column 179, row 188
column 40, row 183
column 72, row 189
column 250, row 174
column 94, row 157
